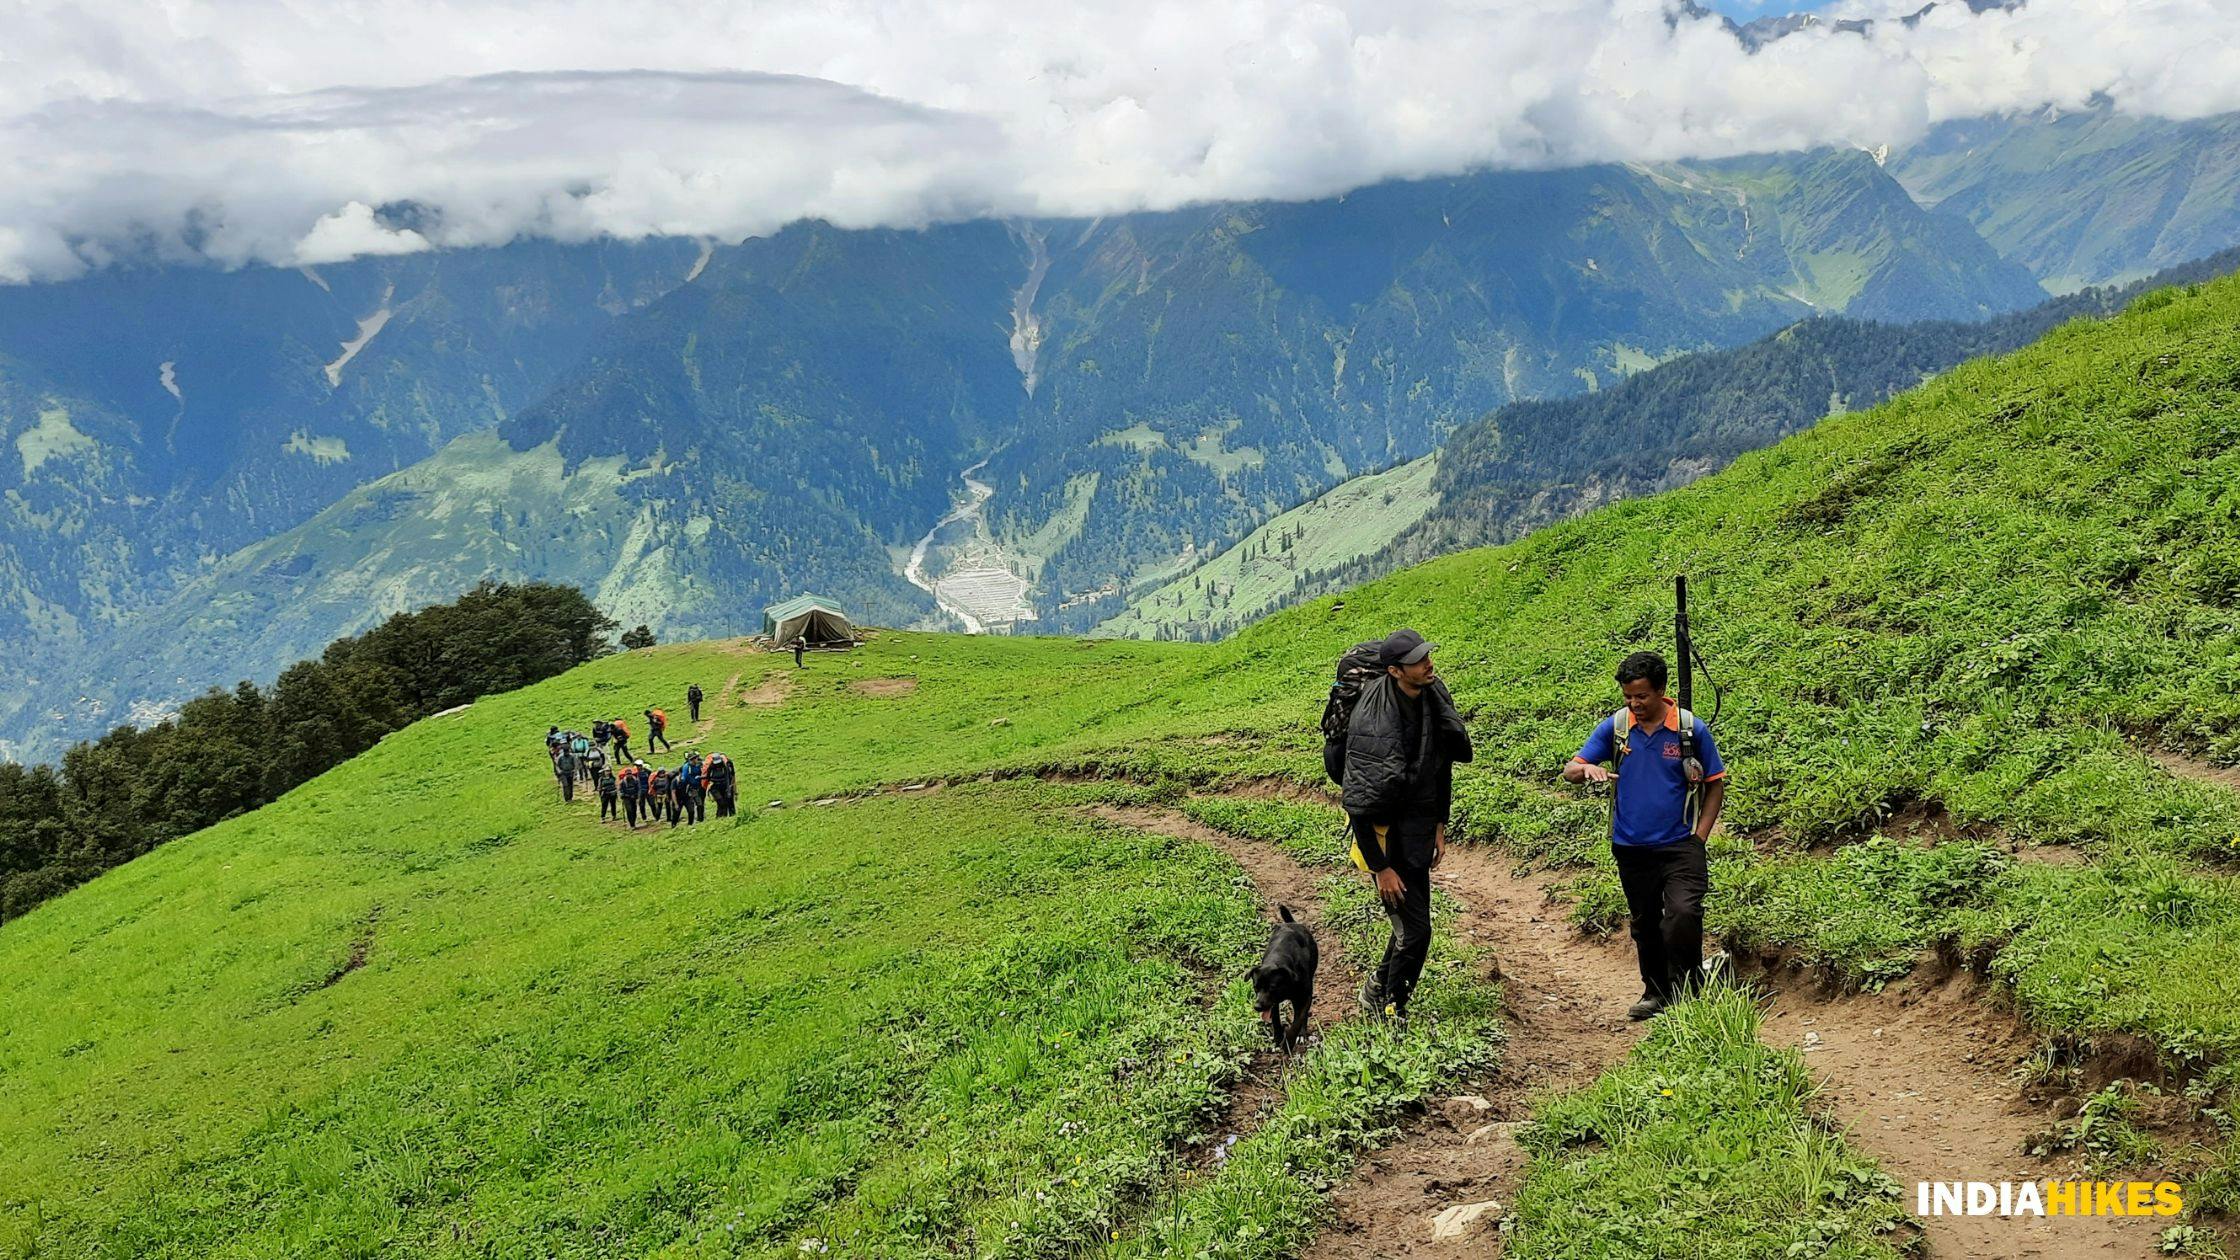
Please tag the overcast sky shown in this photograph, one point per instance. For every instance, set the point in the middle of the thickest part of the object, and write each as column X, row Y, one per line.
column 237, row 131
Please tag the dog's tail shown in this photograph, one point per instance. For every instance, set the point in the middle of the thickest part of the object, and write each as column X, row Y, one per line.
column 1283, row 912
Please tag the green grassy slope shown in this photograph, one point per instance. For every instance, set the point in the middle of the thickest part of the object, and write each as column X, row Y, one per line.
column 416, row 1005
column 1977, row 605
column 1983, row 601
column 1980, row 601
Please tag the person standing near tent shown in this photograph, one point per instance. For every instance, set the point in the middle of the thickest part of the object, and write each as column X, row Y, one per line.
column 1402, row 741
column 692, row 696
column 800, row 645
column 1660, row 817
column 657, row 726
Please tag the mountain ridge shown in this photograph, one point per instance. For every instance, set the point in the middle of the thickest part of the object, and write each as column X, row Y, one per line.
column 797, row 414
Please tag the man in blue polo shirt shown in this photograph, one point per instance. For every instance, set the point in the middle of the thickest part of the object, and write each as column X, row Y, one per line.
column 1664, row 810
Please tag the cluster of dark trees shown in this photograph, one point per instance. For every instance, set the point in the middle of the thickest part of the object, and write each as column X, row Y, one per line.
column 113, row 799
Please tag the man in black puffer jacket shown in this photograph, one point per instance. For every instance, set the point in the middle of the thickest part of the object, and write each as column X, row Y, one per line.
column 1401, row 745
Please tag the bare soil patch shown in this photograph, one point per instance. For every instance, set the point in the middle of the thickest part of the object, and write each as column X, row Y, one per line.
column 1925, row 1077
column 772, row 690
column 1565, row 995
column 884, row 687
column 2182, row 766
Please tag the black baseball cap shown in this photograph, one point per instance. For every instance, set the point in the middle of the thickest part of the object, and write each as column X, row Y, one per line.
column 1405, row 647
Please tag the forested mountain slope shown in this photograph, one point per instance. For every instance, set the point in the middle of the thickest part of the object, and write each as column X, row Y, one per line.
column 1532, row 463
column 1138, row 390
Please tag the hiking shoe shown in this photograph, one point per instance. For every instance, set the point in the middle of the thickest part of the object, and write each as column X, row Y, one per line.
column 1372, row 999
column 1650, row 1004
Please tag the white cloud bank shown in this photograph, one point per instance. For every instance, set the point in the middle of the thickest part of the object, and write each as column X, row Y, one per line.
column 237, row 131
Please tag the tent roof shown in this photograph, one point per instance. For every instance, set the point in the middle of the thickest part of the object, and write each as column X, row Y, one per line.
column 800, row 604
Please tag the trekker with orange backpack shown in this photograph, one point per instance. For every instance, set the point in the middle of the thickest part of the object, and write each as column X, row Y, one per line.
column 657, row 726
column 621, row 741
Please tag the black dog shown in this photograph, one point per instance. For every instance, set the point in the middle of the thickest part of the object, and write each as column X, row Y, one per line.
column 1285, row 974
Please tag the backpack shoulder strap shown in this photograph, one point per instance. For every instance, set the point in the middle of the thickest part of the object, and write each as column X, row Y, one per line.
column 1621, row 726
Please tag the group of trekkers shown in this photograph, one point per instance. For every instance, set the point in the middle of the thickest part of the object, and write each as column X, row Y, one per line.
column 629, row 789
column 1392, row 736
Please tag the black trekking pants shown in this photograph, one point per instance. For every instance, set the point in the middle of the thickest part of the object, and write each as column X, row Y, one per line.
column 727, row 801
column 1665, row 885
column 1410, row 943
column 695, row 709
column 608, row 807
column 630, row 810
column 695, row 806
column 657, row 735
column 567, row 784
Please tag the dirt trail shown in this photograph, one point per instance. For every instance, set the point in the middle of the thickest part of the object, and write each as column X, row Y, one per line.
column 1923, row 1075
column 2181, row 766
column 1564, row 996
column 773, row 689
column 1919, row 1076
column 1282, row 882
column 711, row 707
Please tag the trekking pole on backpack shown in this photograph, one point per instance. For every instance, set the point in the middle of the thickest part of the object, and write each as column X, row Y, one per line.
column 1690, row 763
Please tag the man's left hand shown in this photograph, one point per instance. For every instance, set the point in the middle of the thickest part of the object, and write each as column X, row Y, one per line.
column 1438, row 845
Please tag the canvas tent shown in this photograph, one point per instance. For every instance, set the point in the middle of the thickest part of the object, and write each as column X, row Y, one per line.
column 813, row 617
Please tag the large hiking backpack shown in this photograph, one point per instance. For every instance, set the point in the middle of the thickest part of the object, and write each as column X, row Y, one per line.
column 1362, row 664
column 579, row 745
column 660, row 783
